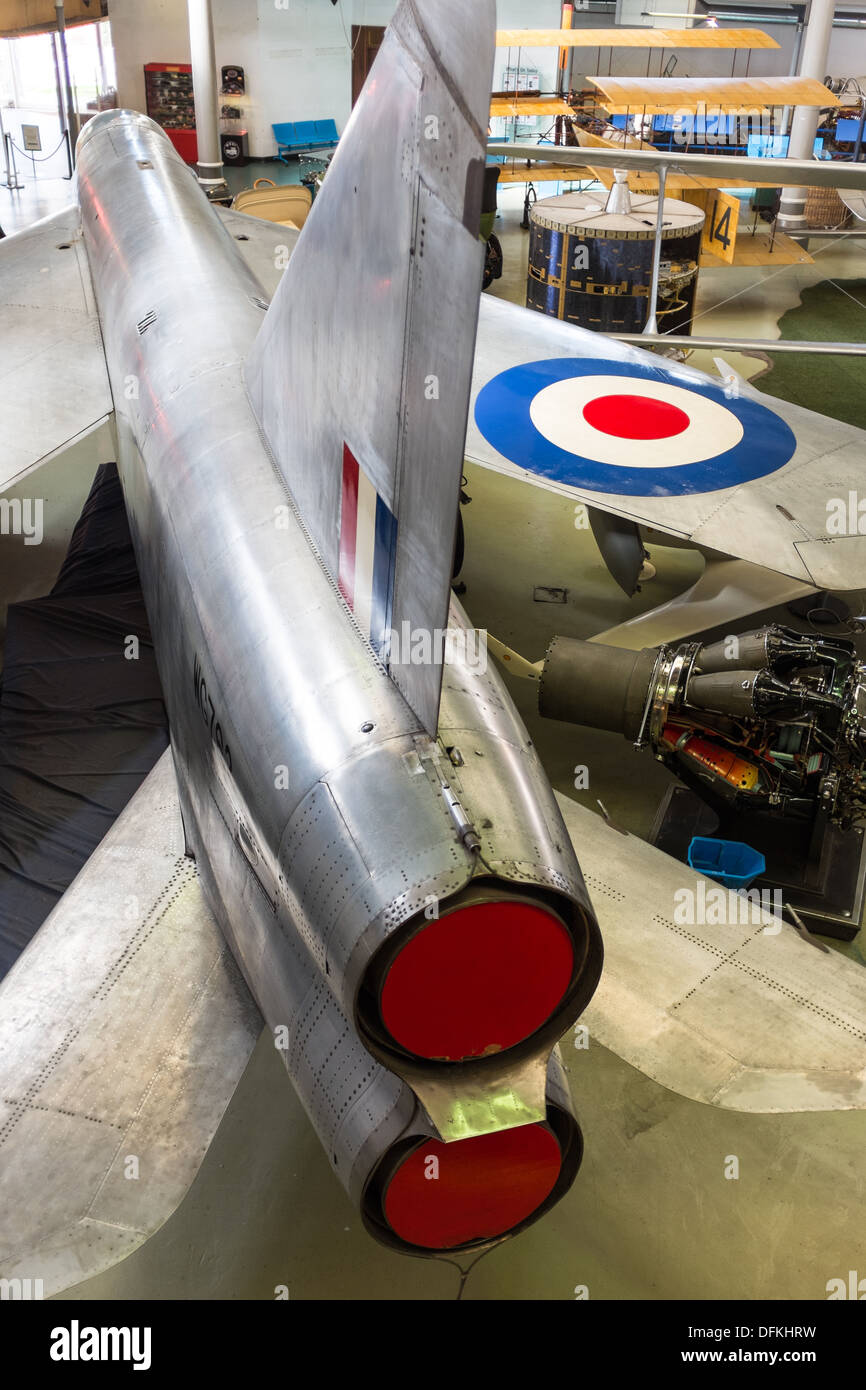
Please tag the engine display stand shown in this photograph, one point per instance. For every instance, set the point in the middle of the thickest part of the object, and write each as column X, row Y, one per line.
column 821, row 870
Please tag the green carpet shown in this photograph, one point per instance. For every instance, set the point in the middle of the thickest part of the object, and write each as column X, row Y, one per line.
column 834, row 386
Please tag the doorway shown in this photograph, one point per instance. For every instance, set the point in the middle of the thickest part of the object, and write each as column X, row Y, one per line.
column 366, row 42
column 35, row 110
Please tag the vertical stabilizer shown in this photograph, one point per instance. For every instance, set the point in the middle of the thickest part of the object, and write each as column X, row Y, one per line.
column 361, row 373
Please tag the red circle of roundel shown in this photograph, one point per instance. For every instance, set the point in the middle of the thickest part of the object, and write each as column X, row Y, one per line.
column 480, row 1188
column 477, row 980
column 635, row 417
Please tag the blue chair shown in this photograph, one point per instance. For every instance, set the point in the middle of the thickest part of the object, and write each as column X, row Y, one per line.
column 305, row 134
column 299, row 137
column 284, row 134
column 846, row 130
column 722, row 127
column 327, row 133
column 767, row 146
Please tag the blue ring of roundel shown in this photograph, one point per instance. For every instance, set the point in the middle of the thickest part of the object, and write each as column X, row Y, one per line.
column 502, row 416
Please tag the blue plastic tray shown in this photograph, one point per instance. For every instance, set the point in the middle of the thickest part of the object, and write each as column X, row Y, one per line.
column 730, row 862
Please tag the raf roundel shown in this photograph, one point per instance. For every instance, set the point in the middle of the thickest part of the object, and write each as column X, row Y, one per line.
column 622, row 427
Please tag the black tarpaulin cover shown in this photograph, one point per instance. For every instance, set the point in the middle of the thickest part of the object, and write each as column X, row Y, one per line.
column 82, row 720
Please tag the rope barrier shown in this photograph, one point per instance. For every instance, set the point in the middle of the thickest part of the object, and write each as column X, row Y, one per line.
column 28, row 154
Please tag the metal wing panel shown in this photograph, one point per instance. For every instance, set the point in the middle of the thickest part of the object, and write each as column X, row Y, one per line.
column 265, row 246
column 719, row 167
column 124, row 1029
column 778, row 519
column 53, row 380
column 834, row 560
column 727, row 1014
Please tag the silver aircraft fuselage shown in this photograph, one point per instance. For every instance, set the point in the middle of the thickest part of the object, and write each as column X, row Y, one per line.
column 316, row 806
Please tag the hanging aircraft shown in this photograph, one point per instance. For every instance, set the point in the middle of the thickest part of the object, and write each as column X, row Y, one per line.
column 353, row 838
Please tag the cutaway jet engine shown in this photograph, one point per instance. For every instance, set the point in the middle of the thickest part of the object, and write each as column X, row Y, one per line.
column 772, row 721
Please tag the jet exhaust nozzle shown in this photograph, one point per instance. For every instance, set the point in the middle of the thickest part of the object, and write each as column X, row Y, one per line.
column 427, row 1197
column 493, row 968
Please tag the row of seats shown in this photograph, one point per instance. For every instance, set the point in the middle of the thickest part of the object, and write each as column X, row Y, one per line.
column 295, row 137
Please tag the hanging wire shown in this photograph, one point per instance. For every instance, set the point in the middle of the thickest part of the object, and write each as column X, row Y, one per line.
column 465, row 1273
column 756, row 284
column 352, row 46
column 854, row 625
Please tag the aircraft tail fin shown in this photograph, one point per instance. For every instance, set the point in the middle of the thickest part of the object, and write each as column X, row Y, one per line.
column 361, row 373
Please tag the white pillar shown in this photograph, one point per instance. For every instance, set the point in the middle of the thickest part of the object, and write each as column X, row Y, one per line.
column 813, row 63
column 204, row 85
column 72, row 124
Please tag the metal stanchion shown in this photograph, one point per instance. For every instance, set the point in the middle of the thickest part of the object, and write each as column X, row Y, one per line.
column 12, row 180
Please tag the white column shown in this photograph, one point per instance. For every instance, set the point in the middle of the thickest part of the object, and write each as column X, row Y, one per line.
column 204, row 85
column 813, row 63
column 72, row 124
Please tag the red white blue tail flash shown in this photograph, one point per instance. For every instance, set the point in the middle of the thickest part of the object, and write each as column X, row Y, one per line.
column 624, row 427
column 368, row 547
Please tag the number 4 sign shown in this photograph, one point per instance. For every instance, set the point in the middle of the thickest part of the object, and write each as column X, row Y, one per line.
column 720, row 227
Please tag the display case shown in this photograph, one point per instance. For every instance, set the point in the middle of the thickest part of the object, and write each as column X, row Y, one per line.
column 234, row 135
column 169, row 97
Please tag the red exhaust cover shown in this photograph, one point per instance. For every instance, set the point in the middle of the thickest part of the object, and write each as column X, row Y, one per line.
column 447, row 1195
column 477, row 980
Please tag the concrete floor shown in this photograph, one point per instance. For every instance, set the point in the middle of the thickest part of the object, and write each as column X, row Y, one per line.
column 41, row 197
column 651, row 1214
column 20, row 208
column 736, row 302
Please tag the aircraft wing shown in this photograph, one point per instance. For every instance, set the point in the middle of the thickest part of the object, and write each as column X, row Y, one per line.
column 728, row 1014
column 265, row 246
column 54, row 384
column 771, row 173
column 124, row 1029
column 666, row 446
column 53, row 379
